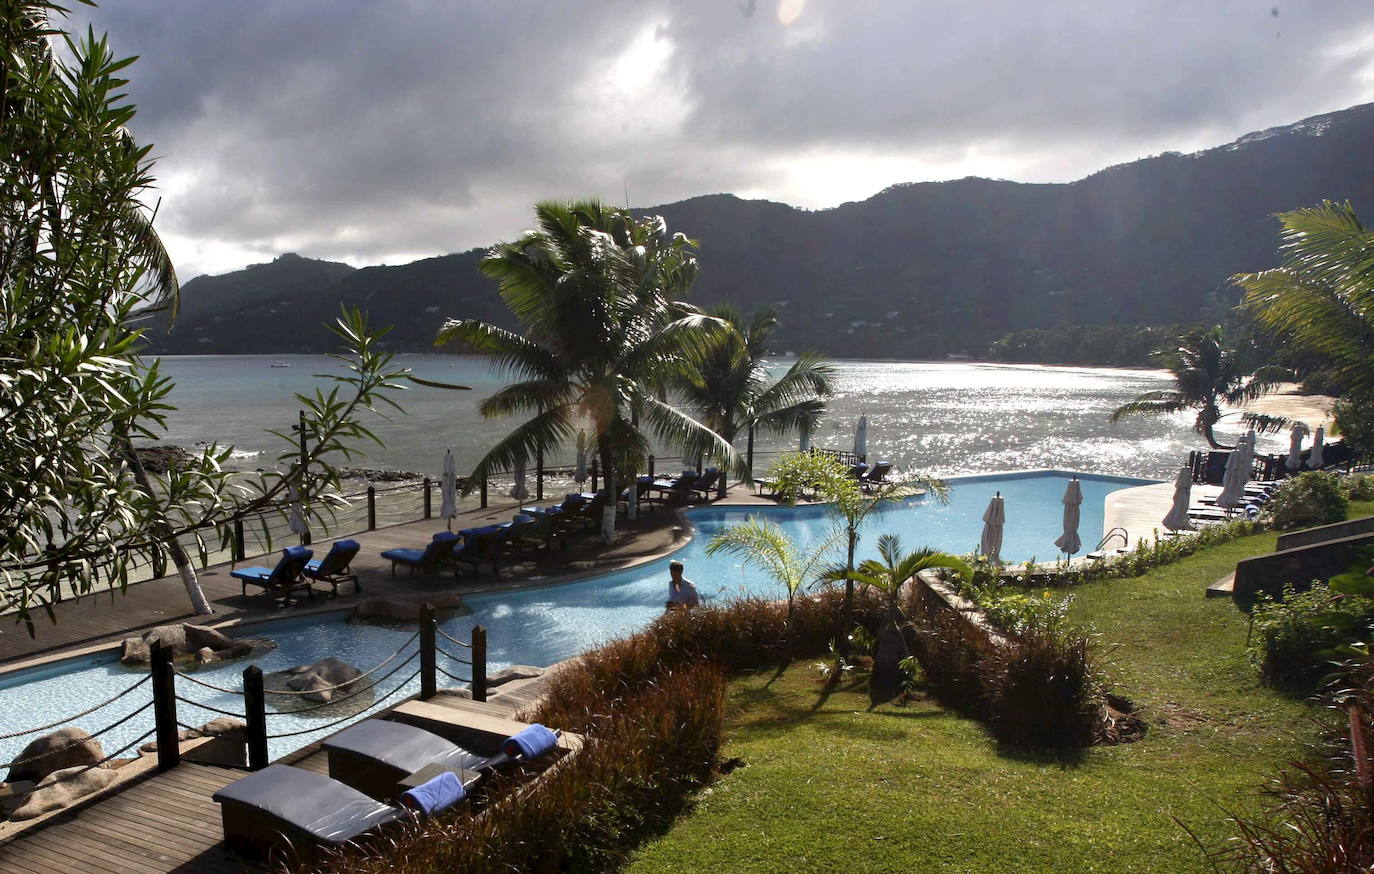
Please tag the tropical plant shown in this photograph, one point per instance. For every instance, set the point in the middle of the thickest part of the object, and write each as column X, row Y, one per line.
column 850, row 505
column 1313, row 497
column 1207, row 376
column 888, row 576
column 1321, row 299
column 80, row 265
column 596, row 293
column 763, row 544
column 731, row 392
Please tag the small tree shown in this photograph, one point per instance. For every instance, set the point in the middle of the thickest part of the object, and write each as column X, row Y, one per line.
column 80, row 265
column 850, row 505
column 889, row 576
column 764, row 545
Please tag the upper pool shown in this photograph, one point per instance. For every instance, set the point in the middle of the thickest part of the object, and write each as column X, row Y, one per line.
column 546, row 624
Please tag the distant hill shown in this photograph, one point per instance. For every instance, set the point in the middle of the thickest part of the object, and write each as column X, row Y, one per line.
column 917, row 270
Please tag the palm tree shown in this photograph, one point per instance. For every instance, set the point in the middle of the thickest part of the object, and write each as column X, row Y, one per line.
column 763, row 544
column 731, row 392
column 1207, row 376
column 595, row 291
column 889, row 576
column 851, row 506
column 1322, row 298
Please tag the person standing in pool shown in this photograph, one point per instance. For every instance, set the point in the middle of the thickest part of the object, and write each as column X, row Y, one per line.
column 681, row 593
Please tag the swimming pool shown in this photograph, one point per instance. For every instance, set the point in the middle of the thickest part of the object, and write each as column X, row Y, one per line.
column 543, row 625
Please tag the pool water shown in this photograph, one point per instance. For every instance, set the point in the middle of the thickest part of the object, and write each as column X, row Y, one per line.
column 543, row 625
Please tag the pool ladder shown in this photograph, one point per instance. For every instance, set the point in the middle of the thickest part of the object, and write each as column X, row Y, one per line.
column 1118, row 531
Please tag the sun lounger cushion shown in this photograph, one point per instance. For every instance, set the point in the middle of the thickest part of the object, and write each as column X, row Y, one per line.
column 530, row 742
column 334, row 561
column 435, row 795
column 403, row 748
column 282, row 798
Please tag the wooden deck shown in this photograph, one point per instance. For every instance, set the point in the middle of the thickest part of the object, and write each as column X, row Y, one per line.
column 166, row 823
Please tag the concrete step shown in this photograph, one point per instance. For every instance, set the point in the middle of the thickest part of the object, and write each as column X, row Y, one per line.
column 1222, row 588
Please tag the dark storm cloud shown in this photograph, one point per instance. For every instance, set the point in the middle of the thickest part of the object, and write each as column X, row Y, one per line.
column 377, row 131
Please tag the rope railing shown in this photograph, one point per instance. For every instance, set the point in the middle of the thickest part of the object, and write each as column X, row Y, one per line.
column 459, row 659
column 453, row 677
column 87, row 712
column 453, row 640
column 349, row 718
column 210, row 707
column 352, row 693
column 366, row 673
column 78, row 742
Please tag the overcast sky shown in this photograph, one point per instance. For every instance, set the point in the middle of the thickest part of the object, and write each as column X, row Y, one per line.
column 380, row 132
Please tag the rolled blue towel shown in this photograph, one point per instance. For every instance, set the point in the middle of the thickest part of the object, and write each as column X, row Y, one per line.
column 435, row 795
column 1252, row 511
column 530, row 742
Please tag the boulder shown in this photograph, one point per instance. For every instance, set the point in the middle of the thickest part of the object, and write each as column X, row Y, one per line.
column 186, row 641
column 220, row 725
column 404, row 609
column 514, row 672
column 61, row 789
column 323, row 680
column 454, row 692
column 64, row 748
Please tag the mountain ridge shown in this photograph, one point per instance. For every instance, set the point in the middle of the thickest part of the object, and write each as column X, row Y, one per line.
column 917, row 270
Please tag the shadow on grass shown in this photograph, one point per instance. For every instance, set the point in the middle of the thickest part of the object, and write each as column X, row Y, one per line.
column 1065, row 758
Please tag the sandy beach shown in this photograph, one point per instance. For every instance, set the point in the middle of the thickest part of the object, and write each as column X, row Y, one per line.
column 1313, row 410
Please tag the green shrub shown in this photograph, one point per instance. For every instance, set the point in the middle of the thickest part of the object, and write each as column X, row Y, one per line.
column 632, row 776
column 1291, row 635
column 1358, row 487
column 1311, row 498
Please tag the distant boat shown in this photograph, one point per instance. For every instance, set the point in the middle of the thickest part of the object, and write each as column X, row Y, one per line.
column 281, row 364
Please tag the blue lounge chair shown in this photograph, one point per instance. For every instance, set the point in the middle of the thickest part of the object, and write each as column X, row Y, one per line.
column 480, row 546
column 282, row 580
column 335, row 568
column 680, row 488
column 708, row 482
column 424, row 560
column 875, row 477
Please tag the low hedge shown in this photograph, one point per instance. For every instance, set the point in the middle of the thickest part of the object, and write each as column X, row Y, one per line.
column 651, row 707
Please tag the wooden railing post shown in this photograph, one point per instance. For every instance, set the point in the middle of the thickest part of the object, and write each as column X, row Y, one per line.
column 429, row 680
column 594, row 473
column 239, row 550
column 371, row 508
column 255, row 714
column 429, row 500
column 539, row 475
column 484, row 492
column 165, row 707
column 651, row 465
column 479, row 663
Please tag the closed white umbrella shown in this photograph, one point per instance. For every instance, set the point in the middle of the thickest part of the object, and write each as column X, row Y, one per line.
column 1295, row 446
column 993, row 519
column 298, row 524
column 1233, row 480
column 520, row 492
column 861, row 438
column 1314, row 461
column 804, row 444
column 1177, row 519
column 449, row 490
column 1073, row 499
column 580, row 474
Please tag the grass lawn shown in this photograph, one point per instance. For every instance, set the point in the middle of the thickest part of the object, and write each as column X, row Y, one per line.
column 828, row 785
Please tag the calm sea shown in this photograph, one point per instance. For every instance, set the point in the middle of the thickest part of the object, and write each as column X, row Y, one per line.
column 944, row 417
